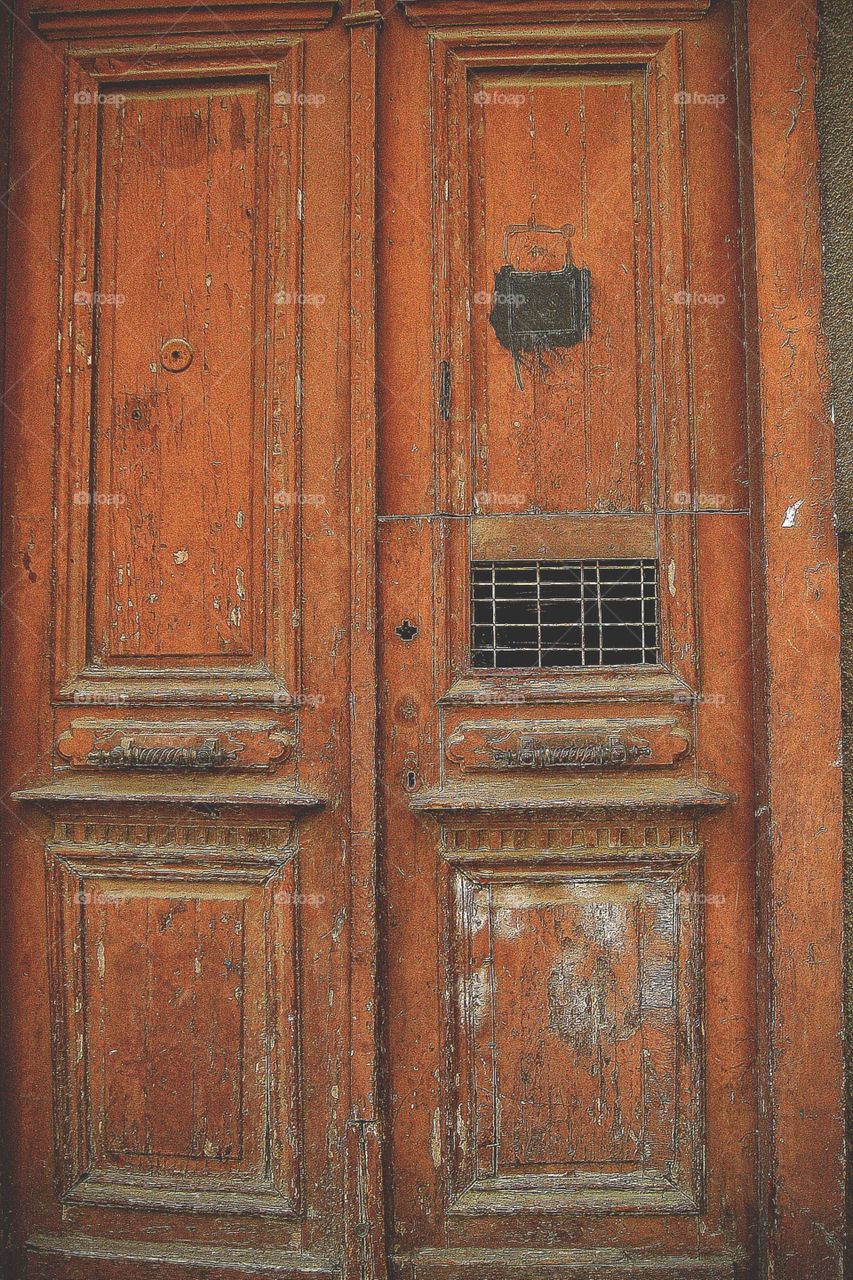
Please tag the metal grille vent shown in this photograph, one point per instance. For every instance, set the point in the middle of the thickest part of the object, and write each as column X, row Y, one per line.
column 564, row 613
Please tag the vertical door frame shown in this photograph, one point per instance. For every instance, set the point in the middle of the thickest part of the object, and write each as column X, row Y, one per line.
column 797, row 655
column 366, row 1250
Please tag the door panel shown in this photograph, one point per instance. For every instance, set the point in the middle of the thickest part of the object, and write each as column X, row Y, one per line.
column 177, row 973
column 588, row 1098
column 569, row 880
column 177, row 805
column 183, row 249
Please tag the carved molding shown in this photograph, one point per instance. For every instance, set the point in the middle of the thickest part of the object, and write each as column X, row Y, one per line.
column 634, row 840
column 197, row 790
column 521, row 796
column 613, row 1263
column 536, row 745
column 454, row 13
column 68, row 22
column 176, row 745
column 110, row 845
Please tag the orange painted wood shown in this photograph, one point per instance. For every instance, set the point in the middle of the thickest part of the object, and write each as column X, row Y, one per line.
column 157, row 586
column 366, row 1252
column 472, row 1168
column 180, row 918
column 327, row 953
column 795, row 540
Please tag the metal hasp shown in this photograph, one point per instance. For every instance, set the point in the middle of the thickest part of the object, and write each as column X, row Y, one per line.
column 539, row 306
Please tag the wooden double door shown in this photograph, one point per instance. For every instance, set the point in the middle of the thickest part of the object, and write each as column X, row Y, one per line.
column 382, row 654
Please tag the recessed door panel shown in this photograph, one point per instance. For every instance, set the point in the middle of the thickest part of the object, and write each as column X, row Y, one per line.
column 561, row 427
column 575, row 1016
column 179, row 395
column 174, row 984
column 182, row 241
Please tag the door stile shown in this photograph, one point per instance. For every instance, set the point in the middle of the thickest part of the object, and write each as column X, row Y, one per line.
column 365, row 1234
column 797, row 671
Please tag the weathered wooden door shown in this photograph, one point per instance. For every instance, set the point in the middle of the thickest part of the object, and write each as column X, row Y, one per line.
column 416, row 553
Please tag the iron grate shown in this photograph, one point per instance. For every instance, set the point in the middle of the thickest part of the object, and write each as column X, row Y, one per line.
column 564, row 613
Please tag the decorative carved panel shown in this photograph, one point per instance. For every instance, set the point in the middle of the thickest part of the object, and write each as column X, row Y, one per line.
column 179, row 744
column 566, row 744
column 173, row 981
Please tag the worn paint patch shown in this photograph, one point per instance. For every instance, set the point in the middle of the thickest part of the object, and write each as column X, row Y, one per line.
column 605, row 923
column 582, row 1008
column 790, row 519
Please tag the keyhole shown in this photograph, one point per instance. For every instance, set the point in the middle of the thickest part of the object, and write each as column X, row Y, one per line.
column 176, row 354
column 406, row 631
column 410, row 771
